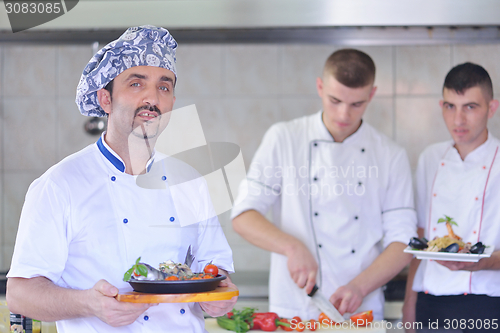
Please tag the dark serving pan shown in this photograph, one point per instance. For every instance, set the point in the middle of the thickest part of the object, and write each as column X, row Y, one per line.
column 176, row 287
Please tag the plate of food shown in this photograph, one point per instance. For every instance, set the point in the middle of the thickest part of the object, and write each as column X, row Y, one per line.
column 171, row 278
column 449, row 247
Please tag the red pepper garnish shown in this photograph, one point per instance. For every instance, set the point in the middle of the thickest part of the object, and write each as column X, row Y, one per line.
column 268, row 321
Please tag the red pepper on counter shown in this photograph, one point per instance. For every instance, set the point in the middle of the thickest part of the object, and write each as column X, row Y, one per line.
column 268, row 321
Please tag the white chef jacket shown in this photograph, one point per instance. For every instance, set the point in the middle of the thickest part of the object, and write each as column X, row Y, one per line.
column 344, row 201
column 86, row 220
column 467, row 191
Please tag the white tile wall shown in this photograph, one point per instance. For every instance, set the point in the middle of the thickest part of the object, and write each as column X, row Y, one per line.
column 71, row 60
column 29, row 137
column 250, row 258
column 295, row 107
column 70, row 135
column 239, row 90
column 2, row 232
column 251, row 70
column 301, row 65
column 248, row 119
column 199, row 70
column 420, row 70
column 487, row 56
column 494, row 124
column 30, row 71
column 7, row 251
column 384, row 63
column 15, row 185
column 418, row 124
column 2, row 227
column 380, row 114
column 1, row 71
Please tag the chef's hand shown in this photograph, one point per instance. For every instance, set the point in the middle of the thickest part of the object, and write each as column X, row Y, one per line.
column 461, row 265
column 302, row 266
column 104, row 306
column 219, row 308
column 347, row 298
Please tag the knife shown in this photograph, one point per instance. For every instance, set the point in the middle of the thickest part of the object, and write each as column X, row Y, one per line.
column 324, row 305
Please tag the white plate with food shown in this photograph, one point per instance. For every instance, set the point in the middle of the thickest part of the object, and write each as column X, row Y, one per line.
column 447, row 256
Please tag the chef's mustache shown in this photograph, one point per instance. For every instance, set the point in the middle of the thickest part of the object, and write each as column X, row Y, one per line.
column 149, row 108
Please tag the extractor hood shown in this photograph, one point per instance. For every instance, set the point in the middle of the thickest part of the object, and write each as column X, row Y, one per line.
column 271, row 20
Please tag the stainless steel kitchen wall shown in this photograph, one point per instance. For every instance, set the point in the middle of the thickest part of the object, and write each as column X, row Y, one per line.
column 239, row 91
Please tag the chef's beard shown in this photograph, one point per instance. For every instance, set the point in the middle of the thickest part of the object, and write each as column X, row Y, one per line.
column 150, row 129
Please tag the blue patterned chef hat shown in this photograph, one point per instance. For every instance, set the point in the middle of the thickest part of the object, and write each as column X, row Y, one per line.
column 138, row 46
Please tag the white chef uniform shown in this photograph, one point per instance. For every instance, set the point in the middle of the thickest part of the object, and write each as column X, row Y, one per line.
column 86, row 220
column 467, row 191
column 345, row 201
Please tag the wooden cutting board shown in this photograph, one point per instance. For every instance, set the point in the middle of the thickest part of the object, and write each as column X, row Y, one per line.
column 219, row 294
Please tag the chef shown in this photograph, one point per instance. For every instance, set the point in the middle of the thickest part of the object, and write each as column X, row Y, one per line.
column 88, row 218
column 460, row 178
column 341, row 199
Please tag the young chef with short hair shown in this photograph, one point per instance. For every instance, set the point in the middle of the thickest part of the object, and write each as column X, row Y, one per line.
column 459, row 178
column 86, row 220
column 341, row 197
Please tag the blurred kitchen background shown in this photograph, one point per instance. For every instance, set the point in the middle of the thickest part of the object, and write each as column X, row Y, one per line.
column 246, row 65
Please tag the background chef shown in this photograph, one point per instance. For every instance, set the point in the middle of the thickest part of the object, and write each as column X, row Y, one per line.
column 86, row 220
column 341, row 197
column 460, row 178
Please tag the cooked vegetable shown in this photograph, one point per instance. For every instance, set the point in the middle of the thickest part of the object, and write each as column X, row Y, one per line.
column 169, row 271
column 172, row 268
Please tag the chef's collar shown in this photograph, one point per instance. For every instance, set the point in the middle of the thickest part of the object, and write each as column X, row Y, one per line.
column 114, row 158
column 324, row 134
column 478, row 154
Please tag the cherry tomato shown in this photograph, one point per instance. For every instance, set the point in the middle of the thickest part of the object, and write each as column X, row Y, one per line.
column 211, row 269
column 362, row 318
column 312, row 325
column 172, row 278
column 299, row 325
column 208, row 276
column 325, row 320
